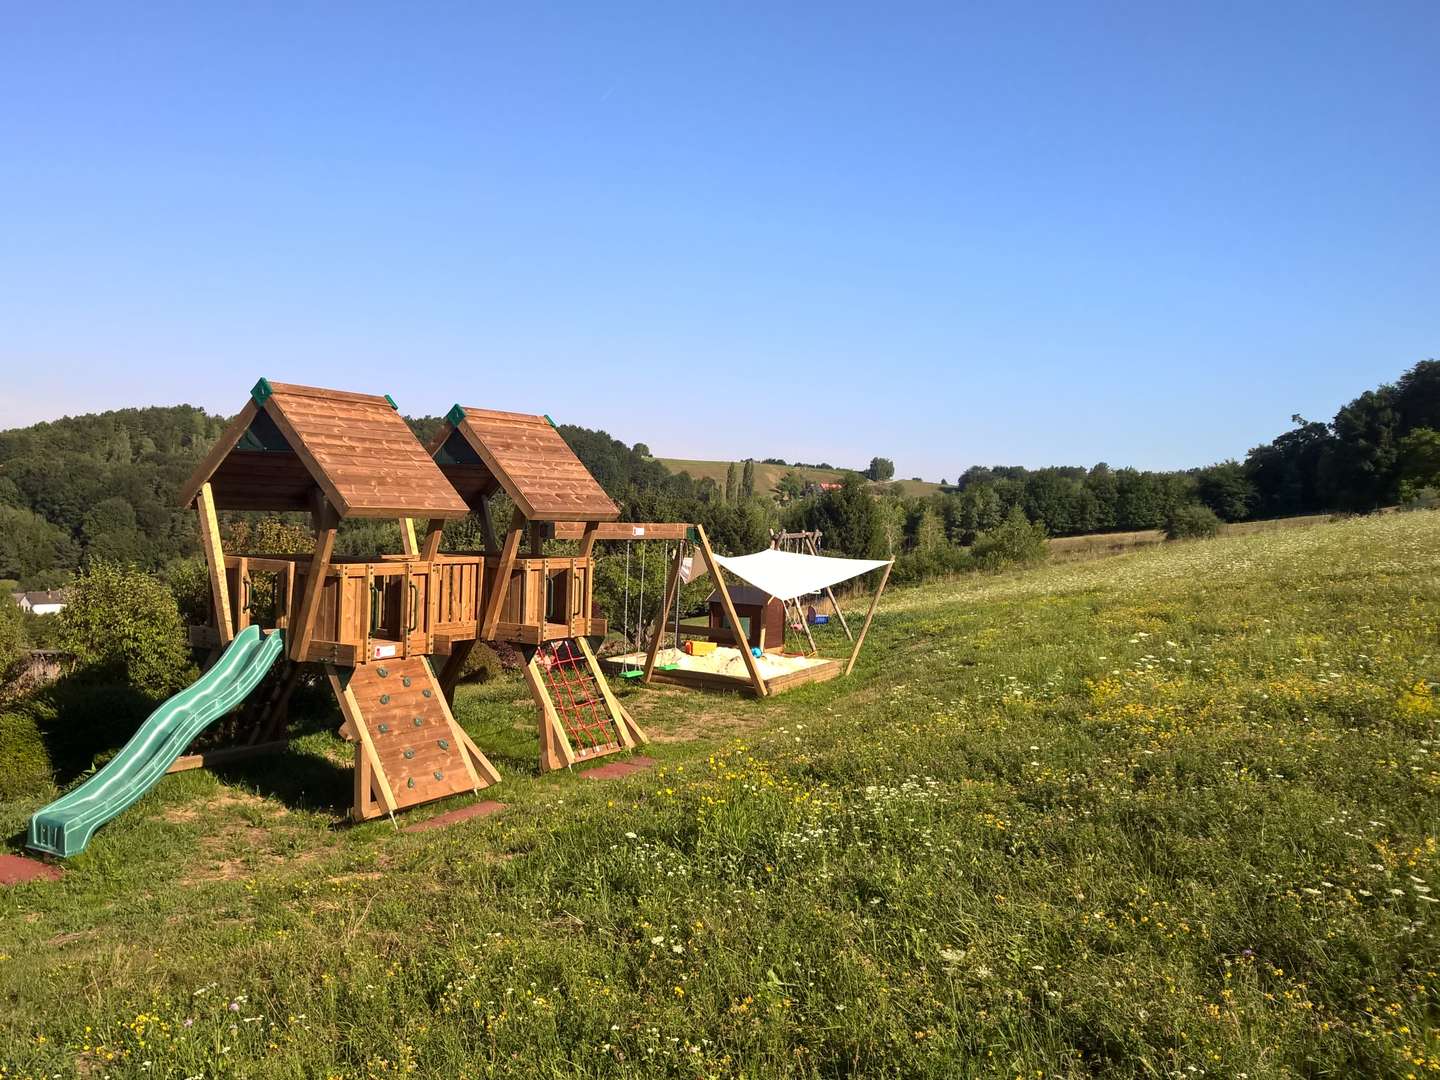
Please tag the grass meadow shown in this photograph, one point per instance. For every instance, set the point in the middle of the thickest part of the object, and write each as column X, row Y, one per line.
column 1170, row 814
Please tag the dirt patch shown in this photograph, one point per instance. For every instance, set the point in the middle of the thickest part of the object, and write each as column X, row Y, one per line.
column 618, row 770
column 464, row 813
column 18, row 869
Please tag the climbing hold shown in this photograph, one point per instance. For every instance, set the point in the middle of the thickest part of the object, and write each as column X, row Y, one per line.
column 382, row 672
column 419, row 721
column 444, row 744
column 410, row 782
column 384, row 728
column 426, row 692
column 409, row 753
column 384, row 699
column 404, row 680
column 439, row 775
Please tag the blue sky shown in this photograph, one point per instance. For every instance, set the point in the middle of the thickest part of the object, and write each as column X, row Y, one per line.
column 948, row 234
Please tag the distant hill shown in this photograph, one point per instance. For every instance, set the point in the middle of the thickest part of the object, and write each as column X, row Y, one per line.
column 767, row 476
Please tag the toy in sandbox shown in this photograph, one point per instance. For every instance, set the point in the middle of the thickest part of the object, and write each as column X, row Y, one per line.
column 369, row 622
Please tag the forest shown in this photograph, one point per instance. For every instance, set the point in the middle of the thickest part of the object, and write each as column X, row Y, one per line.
column 102, row 488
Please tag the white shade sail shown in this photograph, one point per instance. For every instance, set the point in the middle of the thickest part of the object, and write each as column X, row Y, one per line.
column 788, row 574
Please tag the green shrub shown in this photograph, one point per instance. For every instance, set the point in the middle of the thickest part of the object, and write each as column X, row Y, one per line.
column 124, row 626
column 1014, row 542
column 189, row 580
column 942, row 561
column 56, row 733
column 1191, row 522
column 482, row 664
column 27, row 768
column 13, row 641
column 41, row 631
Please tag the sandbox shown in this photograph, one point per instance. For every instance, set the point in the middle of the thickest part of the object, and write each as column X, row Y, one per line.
column 724, row 669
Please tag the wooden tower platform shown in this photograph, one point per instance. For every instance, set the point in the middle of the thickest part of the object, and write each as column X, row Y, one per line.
column 371, row 622
column 544, row 605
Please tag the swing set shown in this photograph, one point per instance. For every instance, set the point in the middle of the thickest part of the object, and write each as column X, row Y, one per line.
column 737, row 662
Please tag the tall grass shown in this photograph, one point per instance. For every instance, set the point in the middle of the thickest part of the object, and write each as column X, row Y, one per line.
column 1171, row 814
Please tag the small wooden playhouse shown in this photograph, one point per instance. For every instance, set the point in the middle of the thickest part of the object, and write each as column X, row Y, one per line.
column 370, row 622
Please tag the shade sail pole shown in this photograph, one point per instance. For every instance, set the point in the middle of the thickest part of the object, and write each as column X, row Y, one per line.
column 855, row 653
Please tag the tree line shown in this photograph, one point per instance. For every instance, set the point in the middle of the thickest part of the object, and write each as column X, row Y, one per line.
column 102, row 487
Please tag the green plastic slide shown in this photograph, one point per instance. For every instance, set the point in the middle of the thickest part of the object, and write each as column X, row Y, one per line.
column 66, row 825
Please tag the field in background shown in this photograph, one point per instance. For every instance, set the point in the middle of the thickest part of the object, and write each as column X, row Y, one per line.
column 1169, row 814
column 766, row 476
column 1099, row 545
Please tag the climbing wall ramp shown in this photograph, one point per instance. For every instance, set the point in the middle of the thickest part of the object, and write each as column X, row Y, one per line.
column 579, row 716
column 408, row 748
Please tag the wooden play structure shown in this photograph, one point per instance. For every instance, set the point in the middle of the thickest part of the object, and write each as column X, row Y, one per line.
column 543, row 604
column 372, row 623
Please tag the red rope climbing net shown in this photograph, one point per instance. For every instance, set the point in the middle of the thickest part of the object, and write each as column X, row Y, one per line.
column 577, row 699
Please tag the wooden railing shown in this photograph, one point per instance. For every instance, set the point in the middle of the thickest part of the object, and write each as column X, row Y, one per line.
column 370, row 610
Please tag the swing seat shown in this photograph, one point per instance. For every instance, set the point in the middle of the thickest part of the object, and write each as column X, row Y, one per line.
column 632, row 674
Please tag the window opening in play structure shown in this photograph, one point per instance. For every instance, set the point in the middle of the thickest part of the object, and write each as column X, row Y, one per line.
column 262, row 434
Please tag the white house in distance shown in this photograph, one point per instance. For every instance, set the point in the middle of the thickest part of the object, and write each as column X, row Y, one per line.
column 48, row 602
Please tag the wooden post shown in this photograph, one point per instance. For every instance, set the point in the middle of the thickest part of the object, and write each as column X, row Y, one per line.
column 368, row 774
column 587, row 539
column 431, row 547
column 672, row 582
column 487, row 526
column 804, row 625
column 215, row 559
column 408, row 544
column 728, row 606
column 455, row 665
column 855, row 653
column 304, row 627
column 502, row 577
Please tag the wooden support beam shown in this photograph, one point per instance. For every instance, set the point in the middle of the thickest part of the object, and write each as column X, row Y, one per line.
column 208, row 758
column 215, row 559
column 587, row 541
column 728, row 606
column 368, row 772
column 408, row 544
column 672, row 583
column 303, row 629
column 502, row 577
column 804, row 625
column 431, row 548
column 487, row 527
column 455, row 666
column 855, row 653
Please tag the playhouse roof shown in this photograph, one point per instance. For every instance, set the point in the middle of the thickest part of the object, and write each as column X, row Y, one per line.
column 356, row 447
column 482, row 450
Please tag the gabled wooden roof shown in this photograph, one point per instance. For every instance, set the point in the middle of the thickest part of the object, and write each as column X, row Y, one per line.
column 355, row 447
column 482, row 450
